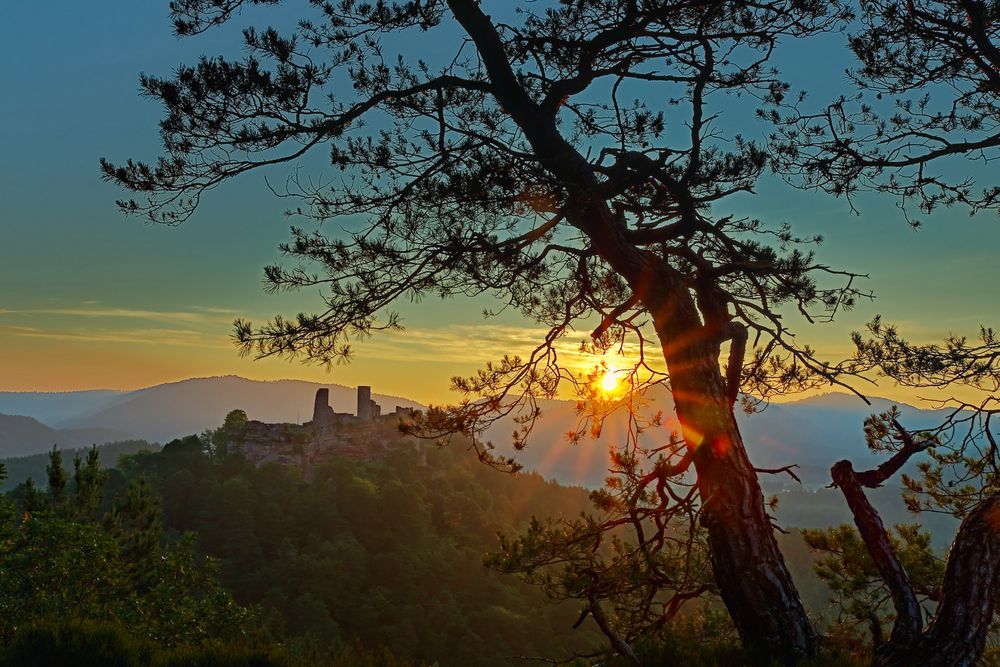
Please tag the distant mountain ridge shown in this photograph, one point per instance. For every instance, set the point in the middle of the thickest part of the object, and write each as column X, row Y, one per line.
column 22, row 436
column 57, row 406
column 167, row 411
column 813, row 432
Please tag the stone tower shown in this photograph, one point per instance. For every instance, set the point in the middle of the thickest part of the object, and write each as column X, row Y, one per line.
column 322, row 412
column 365, row 403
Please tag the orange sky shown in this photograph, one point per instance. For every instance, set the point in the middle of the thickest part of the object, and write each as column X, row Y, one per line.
column 95, row 346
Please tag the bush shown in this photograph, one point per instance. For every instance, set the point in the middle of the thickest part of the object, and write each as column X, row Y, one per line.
column 81, row 643
column 72, row 644
column 222, row 656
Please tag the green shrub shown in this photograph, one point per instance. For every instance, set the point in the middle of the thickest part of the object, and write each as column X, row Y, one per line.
column 72, row 644
column 222, row 655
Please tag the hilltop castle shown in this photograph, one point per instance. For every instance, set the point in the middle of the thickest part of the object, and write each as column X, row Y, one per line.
column 368, row 410
column 365, row 435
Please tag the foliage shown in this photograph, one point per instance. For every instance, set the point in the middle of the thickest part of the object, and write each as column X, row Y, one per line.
column 365, row 550
column 707, row 639
column 386, row 552
column 927, row 89
column 23, row 467
column 232, row 432
column 962, row 468
column 61, row 555
column 83, row 644
column 76, row 643
column 634, row 562
column 860, row 593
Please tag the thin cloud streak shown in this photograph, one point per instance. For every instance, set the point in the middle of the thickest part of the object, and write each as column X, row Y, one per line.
column 172, row 337
column 474, row 344
column 207, row 314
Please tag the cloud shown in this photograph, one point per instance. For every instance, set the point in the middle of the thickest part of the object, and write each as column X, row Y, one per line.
column 200, row 326
column 91, row 310
column 474, row 344
column 148, row 336
column 14, row 330
column 457, row 345
column 218, row 311
column 126, row 313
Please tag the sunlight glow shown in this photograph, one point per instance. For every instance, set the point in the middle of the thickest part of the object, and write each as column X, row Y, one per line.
column 610, row 381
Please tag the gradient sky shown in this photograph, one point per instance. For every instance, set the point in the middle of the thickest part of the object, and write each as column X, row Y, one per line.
column 90, row 299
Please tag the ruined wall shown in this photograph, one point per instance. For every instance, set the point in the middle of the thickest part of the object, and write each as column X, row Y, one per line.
column 323, row 414
column 364, row 403
column 329, row 434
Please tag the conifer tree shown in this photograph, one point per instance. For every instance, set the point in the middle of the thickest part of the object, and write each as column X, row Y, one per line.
column 135, row 522
column 571, row 161
column 88, row 483
column 57, row 478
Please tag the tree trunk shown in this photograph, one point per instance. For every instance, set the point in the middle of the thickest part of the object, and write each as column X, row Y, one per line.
column 957, row 634
column 749, row 569
column 906, row 629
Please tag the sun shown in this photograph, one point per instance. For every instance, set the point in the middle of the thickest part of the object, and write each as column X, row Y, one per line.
column 610, row 381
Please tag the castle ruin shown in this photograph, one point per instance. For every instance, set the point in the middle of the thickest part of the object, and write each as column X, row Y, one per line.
column 365, row 435
column 368, row 410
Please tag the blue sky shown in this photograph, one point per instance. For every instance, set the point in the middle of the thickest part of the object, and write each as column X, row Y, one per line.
column 92, row 299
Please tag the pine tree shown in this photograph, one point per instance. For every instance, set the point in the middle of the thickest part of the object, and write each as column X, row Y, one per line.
column 572, row 160
column 88, row 483
column 57, row 478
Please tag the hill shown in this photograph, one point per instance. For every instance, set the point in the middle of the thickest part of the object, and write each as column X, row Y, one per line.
column 812, row 433
column 21, row 436
column 390, row 552
column 384, row 551
column 167, row 411
column 56, row 407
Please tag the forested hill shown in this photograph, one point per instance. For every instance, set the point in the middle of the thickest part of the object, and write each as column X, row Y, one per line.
column 22, row 468
column 390, row 553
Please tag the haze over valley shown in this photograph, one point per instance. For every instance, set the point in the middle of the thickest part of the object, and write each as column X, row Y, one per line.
column 812, row 433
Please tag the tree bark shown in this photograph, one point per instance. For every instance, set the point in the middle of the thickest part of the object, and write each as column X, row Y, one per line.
column 957, row 635
column 749, row 569
column 908, row 623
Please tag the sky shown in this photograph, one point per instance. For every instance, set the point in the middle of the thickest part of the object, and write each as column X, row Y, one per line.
column 91, row 299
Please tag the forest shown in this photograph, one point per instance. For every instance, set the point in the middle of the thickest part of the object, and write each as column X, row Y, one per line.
column 637, row 197
column 185, row 548
column 191, row 555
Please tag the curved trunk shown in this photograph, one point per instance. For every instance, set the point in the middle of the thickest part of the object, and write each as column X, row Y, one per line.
column 957, row 635
column 907, row 627
column 749, row 569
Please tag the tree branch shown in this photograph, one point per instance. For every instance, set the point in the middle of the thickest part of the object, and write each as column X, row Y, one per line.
column 906, row 629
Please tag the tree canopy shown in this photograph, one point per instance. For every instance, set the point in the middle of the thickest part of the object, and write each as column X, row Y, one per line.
column 571, row 159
